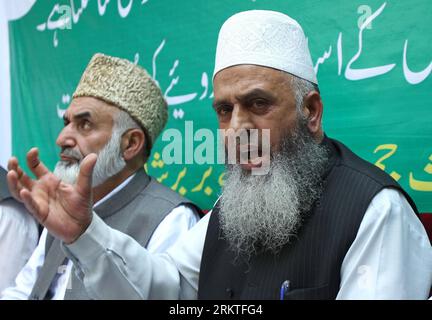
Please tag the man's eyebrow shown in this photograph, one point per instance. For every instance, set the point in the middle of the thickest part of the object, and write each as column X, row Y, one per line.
column 76, row 117
column 249, row 95
column 255, row 93
column 217, row 103
column 82, row 115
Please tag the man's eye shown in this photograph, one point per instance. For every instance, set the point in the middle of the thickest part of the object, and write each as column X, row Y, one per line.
column 224, row 110
column 85, row 124
column 260, row 103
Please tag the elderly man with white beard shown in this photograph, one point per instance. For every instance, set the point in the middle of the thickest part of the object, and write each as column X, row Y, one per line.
column 117, row 111
column 321, row 224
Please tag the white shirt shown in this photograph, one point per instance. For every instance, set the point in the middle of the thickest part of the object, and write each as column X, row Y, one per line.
column 176, row 223
column 18, row 238
column 390, row 258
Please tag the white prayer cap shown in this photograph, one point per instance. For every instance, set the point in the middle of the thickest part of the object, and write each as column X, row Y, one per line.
column 264, row 38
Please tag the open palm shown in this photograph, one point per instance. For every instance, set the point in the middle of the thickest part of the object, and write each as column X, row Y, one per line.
column 64, row 209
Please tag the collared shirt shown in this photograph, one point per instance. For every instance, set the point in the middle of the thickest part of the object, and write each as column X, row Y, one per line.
column 390, row 258
column 18, row 238
column 177, row 222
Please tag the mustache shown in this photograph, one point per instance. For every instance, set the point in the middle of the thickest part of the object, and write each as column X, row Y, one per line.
column 72, row 153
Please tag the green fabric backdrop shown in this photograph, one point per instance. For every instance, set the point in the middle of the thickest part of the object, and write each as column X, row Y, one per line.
column 383, row 114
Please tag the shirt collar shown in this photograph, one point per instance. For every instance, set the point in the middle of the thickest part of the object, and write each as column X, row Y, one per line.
column 114, row 191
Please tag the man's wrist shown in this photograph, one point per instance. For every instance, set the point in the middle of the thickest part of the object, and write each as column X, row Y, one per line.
column 90, row 243
column 82, row 228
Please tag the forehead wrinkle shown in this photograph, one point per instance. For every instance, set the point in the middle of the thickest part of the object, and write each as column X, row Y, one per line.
column 234, row 83
column 94, row 109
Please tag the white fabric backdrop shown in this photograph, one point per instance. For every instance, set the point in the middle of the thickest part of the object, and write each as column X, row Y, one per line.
column 9, row 10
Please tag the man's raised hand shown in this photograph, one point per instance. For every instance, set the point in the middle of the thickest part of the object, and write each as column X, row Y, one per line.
column 64, row 209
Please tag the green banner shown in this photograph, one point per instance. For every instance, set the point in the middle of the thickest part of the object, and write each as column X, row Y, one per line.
column 373, row 62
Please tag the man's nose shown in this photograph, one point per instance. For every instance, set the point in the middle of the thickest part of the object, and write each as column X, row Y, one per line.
column 241, row 119
column 66, row 138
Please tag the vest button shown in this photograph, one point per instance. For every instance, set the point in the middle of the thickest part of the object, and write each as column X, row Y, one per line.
column 229, row 292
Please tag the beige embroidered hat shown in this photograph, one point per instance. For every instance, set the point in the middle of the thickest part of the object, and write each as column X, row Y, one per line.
column 264, row 38
column 127, row 86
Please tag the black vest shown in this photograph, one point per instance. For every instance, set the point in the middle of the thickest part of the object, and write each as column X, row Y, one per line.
column 312, row 261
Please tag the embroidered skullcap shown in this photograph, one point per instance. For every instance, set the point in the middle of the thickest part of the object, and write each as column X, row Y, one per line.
column 128, row 87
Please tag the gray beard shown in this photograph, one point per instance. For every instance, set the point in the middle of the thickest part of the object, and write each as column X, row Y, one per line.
column 263, row 213
column 109, row 162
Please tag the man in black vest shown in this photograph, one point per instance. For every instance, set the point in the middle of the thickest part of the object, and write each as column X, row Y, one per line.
column 117, row 111
column 321, row 224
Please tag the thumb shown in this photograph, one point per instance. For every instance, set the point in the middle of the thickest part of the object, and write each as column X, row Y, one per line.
column 85, row 175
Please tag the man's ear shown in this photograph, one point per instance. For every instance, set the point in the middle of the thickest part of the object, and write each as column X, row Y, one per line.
column 132, row 143
column 313, row 110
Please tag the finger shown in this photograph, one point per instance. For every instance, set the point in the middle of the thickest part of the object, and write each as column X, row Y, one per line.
column 23, row 178
column 12, row 164
column 13, row 178
column 26, row 181
column 34, row 164
column 51, row 184
column 84, row 181
column 38, row 210
column 13, row 184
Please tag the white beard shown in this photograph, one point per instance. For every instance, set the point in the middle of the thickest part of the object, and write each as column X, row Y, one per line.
column 262, row 213
column 109, row 162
